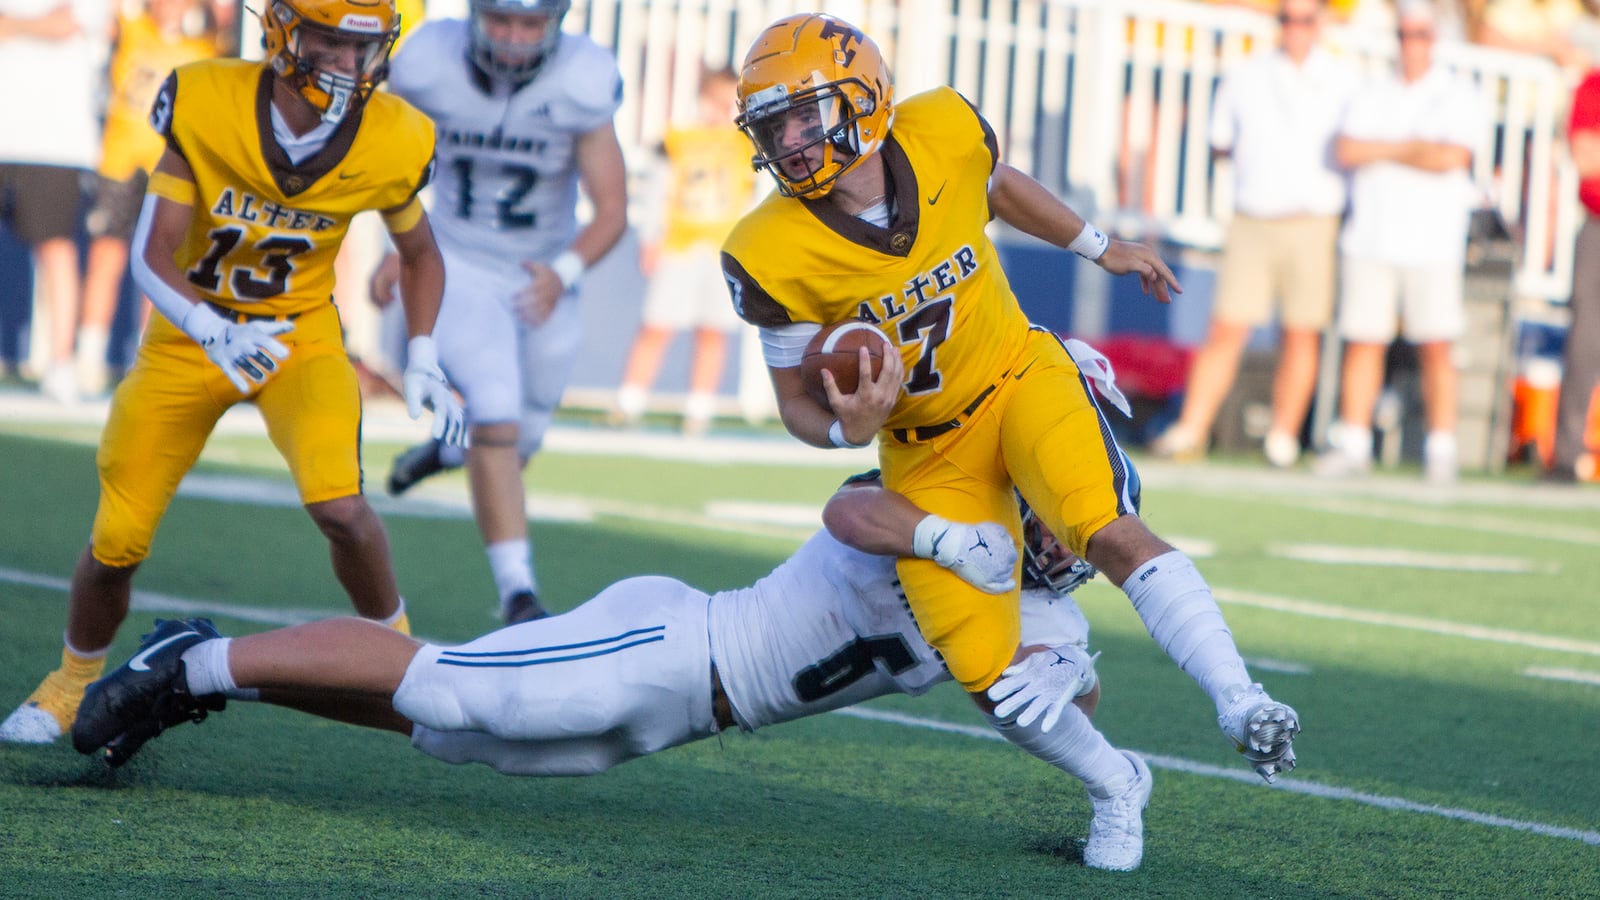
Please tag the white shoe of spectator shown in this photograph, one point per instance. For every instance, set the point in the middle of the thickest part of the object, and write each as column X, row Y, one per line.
column 60, row 383
column 1439, row 458
column 1282, row 449
column 1178, row 445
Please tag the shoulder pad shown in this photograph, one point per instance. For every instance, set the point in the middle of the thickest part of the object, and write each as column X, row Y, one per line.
column 591, row 82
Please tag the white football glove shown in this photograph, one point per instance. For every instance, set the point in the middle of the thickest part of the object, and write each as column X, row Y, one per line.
column 424, row 386
column 242, row 350
column 984, row 555
column 1044, row 683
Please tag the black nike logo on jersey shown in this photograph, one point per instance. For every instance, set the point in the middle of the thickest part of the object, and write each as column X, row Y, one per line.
column 1018, row 376
column 937, row 194
column 348, row 175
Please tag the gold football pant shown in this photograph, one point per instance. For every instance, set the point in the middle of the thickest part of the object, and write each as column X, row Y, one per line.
column 1041, row 430
column 166, row 408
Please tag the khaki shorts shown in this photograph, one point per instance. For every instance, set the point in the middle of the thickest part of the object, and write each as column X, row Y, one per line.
column 1287, row 263
column 1380, row 300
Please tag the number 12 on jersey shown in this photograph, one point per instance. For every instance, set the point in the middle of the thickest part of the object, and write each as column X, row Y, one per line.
column 510, row 210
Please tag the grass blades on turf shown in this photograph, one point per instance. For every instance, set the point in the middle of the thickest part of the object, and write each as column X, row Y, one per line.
column 1412, row 684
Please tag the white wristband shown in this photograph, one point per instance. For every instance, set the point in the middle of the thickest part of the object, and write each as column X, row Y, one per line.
column 924, row 539
column 201, row 323
column 422, row 353
column 568, row 267
column 1091, row 242
column 837, row 438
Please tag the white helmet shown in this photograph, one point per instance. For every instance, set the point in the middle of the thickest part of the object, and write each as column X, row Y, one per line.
column 512, row 60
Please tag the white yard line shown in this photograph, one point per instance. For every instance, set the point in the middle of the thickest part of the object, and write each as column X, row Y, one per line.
column 149, row 601
column 1576, row 675
column 1280, row 666
column 1289, row 785
column 1397, row 557
column 1446, row 518
column 1237, row 597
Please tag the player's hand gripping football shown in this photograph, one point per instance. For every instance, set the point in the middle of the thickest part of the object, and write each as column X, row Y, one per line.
column 244, row 351
column 1123, row 257
column 863, row 413
column 424, row 386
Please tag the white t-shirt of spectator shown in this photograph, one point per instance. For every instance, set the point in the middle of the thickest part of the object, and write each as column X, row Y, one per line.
column 1401, row 214
column 1279, row 121
column 49, row 106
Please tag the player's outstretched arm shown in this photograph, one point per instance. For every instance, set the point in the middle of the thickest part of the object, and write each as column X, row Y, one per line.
column 246, row 351
column 1028, row 206
column 871, row 519
column 421, row 292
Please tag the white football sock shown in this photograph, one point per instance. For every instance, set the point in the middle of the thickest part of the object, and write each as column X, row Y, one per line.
column 1074, row 746
column 512, row 565
column 399, row 612
column 700, row 406
column 205, row 667
column 1178, row 610
column 631, row 401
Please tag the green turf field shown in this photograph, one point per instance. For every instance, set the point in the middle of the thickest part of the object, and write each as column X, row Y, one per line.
column 1444, row 656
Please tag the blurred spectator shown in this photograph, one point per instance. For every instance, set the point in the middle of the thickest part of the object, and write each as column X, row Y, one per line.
column 1408, row 137
column 1276, row 114
column 1544, row 27
column 147, row 45
column 1581, row 371
column 710, row 184
column 50, row 54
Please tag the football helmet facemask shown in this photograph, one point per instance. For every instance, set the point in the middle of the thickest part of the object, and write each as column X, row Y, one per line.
column 511, row 59
column 1045, row 562
column 815, row 98
column 368, row 26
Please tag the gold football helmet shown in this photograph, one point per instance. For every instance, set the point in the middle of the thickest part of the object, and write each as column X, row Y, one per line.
column 815, row 98
column 366, row 28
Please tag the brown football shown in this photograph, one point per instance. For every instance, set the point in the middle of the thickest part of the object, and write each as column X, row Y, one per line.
column 836, row 348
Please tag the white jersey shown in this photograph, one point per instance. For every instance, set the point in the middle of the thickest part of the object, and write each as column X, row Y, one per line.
column 629, row 672
column 506, row 188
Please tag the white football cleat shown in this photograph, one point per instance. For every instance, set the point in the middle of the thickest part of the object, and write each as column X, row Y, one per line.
column 1116, row 833
column 1262, row 729
column 28, row 724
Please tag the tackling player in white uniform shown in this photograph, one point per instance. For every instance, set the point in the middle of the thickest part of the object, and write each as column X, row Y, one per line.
column 524, row 114
column 651, row 663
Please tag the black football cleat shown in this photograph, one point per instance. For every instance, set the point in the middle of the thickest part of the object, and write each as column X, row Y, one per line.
column 147, row 693
column 414, row 465
column 523, row 606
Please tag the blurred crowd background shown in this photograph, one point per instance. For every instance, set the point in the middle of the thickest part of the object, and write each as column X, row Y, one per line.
column 1107, row 102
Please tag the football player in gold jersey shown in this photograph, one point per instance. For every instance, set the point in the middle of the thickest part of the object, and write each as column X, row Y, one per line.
column 265, row 164
column 880, row 215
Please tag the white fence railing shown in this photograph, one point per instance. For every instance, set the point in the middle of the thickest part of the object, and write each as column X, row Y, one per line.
column 1109, row 98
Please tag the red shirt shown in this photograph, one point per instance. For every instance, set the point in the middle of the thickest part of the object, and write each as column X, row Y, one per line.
column 1586, row 117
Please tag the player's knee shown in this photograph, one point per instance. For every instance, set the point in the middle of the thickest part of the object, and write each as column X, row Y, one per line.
column 495, row 434
column 118, row 544
column 531, row 436
column 344, row 520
